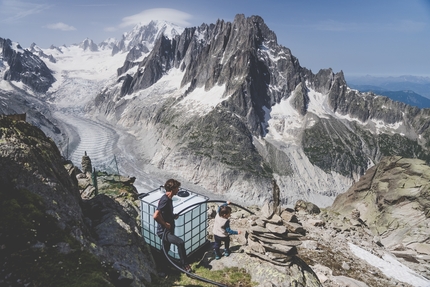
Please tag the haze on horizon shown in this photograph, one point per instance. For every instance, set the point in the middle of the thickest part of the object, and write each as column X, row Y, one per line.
column 378, row 38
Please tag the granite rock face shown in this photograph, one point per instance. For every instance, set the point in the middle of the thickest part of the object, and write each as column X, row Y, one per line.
column 25, row 67
column 207, row 101
column 30, row 163
column 393, row 199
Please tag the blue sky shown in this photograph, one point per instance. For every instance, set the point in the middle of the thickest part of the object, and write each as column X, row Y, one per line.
column 377, row 37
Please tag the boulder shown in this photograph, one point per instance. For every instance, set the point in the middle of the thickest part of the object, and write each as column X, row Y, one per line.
column 393, row 200
column 288, row 216
column 307, row 207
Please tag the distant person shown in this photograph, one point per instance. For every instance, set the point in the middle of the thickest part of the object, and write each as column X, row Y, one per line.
column 222, row 231
column 166, row 221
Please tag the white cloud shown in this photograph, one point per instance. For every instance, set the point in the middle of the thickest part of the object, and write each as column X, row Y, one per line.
column 171, row 15
column 110, row 29
column 60, row 26
column 16, row 10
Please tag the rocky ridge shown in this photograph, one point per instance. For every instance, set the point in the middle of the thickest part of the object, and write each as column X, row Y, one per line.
column 279, row 246
column 49, row 234
column 23, row 66
column 207, row 100
column 325, row 249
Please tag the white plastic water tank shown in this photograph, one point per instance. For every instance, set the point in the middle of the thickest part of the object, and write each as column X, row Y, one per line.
column 191, row 226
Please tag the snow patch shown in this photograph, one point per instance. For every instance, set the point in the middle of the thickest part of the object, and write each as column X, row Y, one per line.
column 80, row 74
column 376, row 126
column 169, row 84
column 318, row 104
column 17, row 48
column 389, row 265
column 201, row 102
column 284, row 122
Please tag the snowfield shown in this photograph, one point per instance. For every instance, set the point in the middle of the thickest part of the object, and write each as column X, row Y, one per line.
column 391, row 267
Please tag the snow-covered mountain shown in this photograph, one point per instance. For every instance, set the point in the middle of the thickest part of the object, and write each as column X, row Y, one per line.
column 144, row 36
column 225, row 107
column 20, row 67
column 23, row 78
column 82, row 69
column 79, row 73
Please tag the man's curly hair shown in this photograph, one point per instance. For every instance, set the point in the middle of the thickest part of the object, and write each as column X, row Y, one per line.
column 171, row 184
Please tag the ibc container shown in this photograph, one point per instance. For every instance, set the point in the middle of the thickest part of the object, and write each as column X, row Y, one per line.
column 191, row 225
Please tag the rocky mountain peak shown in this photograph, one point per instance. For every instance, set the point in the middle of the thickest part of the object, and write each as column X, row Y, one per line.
column 218, row 54
column 144, row 36
column 108, row 44
column 25, row 67
column 89, row 45
column 232, row 97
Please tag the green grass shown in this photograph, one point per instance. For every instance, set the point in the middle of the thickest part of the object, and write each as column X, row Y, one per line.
column 233, row 277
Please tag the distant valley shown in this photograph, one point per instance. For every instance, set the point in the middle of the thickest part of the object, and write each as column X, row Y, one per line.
column 411, row 90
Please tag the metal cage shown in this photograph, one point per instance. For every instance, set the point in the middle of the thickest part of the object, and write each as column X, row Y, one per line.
column 191, row 226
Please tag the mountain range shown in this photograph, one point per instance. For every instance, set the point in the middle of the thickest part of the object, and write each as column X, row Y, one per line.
column 406, row 96
column 221, row 106
column 229, row 112
column 411, row 90
column 417, row 84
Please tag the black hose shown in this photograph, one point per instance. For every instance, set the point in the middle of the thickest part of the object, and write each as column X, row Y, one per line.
column 223, row 201
column 190, row 274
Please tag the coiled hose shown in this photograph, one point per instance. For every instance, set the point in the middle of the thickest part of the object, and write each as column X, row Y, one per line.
column 190, row 274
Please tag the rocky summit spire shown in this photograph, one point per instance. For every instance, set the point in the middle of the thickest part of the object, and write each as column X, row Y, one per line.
column 86, row 164
column 236, row 110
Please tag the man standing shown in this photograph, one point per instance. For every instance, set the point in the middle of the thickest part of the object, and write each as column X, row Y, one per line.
column 166, row 221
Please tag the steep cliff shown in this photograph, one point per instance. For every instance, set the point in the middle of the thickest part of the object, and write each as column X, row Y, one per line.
column 393, row 198
column 225, row 106
column 49, row 235
column 23, row 66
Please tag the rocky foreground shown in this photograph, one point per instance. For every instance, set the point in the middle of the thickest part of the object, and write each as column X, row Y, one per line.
column 327, row 248
column 334, row 241
column 58, row 229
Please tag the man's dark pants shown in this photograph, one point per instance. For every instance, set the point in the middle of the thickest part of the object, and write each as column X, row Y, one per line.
column 173, row 239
